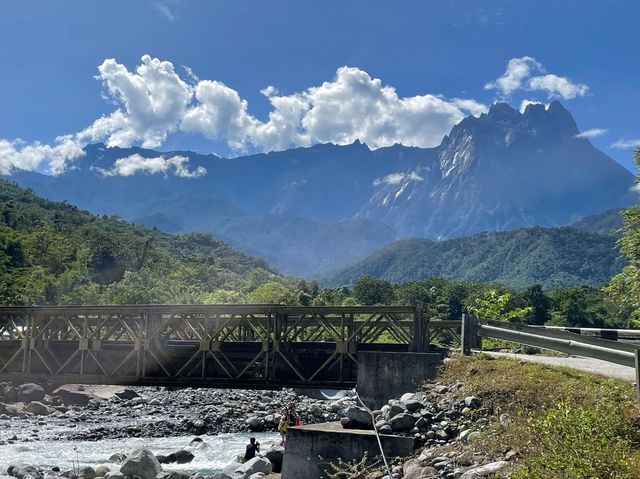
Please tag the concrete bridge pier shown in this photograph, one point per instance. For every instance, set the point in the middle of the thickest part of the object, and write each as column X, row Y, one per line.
column 386, row 375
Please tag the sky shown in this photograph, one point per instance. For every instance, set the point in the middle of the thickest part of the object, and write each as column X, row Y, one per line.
column 237, row 76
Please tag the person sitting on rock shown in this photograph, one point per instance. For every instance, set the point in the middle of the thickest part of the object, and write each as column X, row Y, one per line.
column 252, row 448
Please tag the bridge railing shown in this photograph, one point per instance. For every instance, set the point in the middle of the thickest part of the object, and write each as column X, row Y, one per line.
column 572, row 342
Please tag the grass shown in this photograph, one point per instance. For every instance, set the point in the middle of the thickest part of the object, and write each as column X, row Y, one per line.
column 562, row 423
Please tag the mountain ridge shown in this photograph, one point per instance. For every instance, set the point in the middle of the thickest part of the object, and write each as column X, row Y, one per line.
column 312, row 210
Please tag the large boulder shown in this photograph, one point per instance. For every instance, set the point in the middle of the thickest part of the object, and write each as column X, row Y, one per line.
column 87, row 473
column 30, row 392
column 253, row 466
column 402, row 422
column 142, row 463
column 359, row 417
column 39, row 409
column 74, row 394
column 485, row 470
column 21, row 472
column 126, row 394
column 102, row 471
column 275, row 454
column 178, row 457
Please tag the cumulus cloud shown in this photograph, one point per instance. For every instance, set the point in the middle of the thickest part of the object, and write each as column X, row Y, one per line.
column 136, row 163
column 593, row 133
column 397, row 178
column 353, row 106
column 526, row 73
column 18, row 155
column 626, row 144
column 151, row 101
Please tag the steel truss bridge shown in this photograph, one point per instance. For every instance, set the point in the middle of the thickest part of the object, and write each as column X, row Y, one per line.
column 244, row 346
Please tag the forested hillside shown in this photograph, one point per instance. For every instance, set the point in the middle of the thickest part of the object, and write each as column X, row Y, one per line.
column 552, row 257
column 52, row 252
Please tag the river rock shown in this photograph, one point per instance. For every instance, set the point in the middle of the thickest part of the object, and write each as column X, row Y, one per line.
column 483, row 471
column 359, row 417
column 178, row 457
column 87, row 473
column 73, row 394
column 275, row 454
column 37, row 408
column 118, row 457
column 141, row 463
column 413, row 405
column 30, row 392
column 126, row 394
column 21, row 472
column 169, row 475
column 255, row 465
column 402, row 422
column 102, row 471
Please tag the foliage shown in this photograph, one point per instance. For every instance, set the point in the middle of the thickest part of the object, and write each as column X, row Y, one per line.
column 495, row 306
column 624, row 288
column 369, row 290
column 551, row 257
column 54, row 253
column 583, row 441
column 581, row 426
column 355, row 469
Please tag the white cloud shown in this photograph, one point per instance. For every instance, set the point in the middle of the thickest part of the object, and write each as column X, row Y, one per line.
column 593, row 133
column 352, row 107
column 557, row 86
column 397, row 178
column 526, row 103
column 16, row 154
column 150, row 104
column 626, row 144
column 526, row 73
column 518, row 69
column 136, row 163
column 164, row 10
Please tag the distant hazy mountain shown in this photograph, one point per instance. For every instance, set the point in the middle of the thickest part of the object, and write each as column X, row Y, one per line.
column 313, row 210
column 607, row 223
column 553, row 257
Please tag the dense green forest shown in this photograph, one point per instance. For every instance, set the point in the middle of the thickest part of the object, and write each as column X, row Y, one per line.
column 54, row 253
column 552, row 257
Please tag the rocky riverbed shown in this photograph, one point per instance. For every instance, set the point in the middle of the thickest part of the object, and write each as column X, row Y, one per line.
column 82, row 432
column 54, row 431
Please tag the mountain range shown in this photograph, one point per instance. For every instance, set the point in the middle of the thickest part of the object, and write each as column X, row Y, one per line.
column 309, row 211
column 584, row 253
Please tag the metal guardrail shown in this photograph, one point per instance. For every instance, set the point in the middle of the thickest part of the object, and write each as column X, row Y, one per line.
column 556, row 339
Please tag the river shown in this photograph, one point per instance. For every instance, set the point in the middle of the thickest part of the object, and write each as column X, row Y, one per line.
column 213, row 454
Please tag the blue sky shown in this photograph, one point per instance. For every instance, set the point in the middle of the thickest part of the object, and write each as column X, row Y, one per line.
column 433, row 54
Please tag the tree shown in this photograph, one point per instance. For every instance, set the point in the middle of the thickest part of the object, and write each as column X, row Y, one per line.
column 369, row 290
column 540, row 304
column 624, row 288
column 271, row 293
column 494, row 306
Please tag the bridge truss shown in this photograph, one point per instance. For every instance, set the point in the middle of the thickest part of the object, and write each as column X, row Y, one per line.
column 204, row 345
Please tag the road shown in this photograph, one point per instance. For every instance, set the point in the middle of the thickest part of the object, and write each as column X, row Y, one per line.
column 576, row 362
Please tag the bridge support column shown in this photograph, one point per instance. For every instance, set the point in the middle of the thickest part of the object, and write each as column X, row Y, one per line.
column 387, row 375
